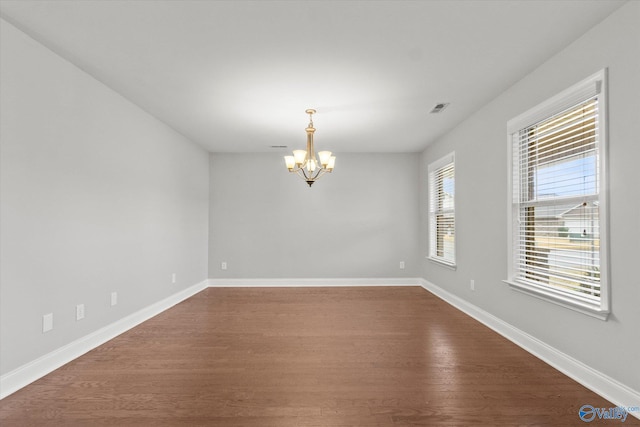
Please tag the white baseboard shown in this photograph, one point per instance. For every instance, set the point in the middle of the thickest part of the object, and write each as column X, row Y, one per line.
column 612, row 390
column 289, row 283
column 38, row 368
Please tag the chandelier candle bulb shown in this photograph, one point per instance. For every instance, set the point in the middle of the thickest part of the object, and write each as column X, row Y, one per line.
column 332, row 163
column 299, row 156
column 324, row 157
column 305, row 163
column 311, row 165
column 291, row 162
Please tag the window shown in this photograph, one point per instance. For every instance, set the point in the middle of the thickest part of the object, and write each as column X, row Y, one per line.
column 442, row 219
column 558, row 211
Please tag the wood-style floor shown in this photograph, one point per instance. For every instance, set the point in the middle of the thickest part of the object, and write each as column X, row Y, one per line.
column 367, row 356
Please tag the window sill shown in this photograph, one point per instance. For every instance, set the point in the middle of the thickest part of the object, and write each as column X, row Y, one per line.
column 449, row 265
column 559, row 299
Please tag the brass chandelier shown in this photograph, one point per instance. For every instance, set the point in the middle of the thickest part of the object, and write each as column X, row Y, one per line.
column 305, row 163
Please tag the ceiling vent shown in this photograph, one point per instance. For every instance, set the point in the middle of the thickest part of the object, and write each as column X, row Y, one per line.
column 438, row 108
column 278, row 146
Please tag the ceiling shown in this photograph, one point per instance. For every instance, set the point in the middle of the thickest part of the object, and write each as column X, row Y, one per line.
column 237, row 76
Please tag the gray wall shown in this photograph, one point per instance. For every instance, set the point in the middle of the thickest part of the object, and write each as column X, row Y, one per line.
column 480, row 143
column 97, row 196
column 358, row 222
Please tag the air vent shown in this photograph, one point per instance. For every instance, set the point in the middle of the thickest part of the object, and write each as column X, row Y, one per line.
column 438, row 108
column 278, row 146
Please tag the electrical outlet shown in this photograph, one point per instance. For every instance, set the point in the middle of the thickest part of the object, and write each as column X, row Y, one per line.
column 114, row 298
column 472, row 285
column 173, row 278
column 223, row 265
column 401, row 265
column 79, row 311
column 47, row 322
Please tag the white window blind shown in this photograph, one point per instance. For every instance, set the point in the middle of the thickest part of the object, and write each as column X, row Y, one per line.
column 442, row 224
column 557, row 228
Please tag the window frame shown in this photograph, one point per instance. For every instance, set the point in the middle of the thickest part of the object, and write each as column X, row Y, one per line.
column 432, row 169
column 594, row 85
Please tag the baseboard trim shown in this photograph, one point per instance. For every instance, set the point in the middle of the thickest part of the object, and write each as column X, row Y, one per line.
column 38, row 368
column 612, row 390
column 306, row 282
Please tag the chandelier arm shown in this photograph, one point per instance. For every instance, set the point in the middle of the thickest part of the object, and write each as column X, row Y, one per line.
column 303, row 174
column 321, row 172
column 308, row 177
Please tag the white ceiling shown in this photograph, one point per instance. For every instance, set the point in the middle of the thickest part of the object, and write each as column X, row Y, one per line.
column 237, row 76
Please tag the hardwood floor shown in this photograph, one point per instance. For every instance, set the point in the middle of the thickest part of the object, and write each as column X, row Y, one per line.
column 367, row 356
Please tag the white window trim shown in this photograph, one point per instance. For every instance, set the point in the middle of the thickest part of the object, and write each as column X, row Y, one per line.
column 593, row 85
column 449, row 158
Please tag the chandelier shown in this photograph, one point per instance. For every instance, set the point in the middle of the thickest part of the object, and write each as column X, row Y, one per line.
column 305, row 163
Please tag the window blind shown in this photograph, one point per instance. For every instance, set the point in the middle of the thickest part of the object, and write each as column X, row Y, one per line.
column 442, row 210
column 556, row 188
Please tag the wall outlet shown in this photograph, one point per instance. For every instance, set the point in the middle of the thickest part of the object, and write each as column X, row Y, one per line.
column 401, row 265
column 79, row 311
column 114, row 298
column 472, row 285
column 223, row 265
column 47, row 322
column 173, row 278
